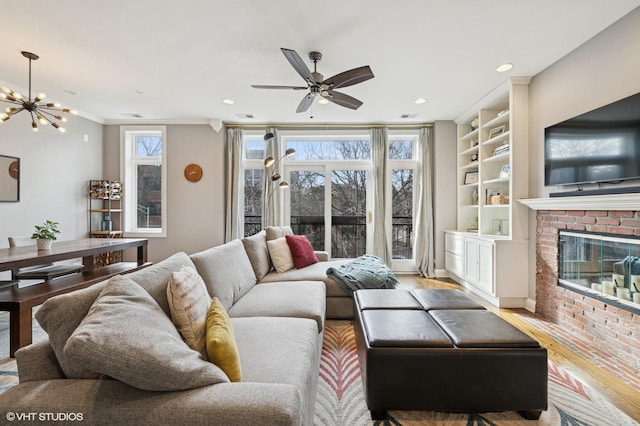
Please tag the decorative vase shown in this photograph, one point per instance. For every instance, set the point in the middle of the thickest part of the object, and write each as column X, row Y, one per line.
column 43, row 244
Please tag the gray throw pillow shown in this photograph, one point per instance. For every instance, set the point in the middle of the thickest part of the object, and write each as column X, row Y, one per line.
column 61, row 315
column 256, row 248
column 227, row 271
column 128, row 337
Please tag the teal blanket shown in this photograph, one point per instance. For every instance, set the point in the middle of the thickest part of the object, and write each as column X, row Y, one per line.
column 367, row 271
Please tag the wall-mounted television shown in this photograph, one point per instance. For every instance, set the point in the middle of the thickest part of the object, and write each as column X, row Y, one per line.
column 599, row 146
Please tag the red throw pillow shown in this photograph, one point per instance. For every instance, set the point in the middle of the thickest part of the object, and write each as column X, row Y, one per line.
column 301, row 251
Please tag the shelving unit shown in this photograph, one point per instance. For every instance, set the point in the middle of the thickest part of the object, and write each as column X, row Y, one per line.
column 105, row 215
column 491, row 236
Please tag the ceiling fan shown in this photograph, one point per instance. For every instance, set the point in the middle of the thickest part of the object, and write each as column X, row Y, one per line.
column 317, row 85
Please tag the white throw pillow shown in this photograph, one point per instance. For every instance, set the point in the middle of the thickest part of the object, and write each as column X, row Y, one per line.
column 280, row 254
column 189, row 303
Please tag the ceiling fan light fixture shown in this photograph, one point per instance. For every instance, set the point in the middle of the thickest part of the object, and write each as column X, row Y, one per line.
column 44, row 113
column 317, row 84
column 323, row 101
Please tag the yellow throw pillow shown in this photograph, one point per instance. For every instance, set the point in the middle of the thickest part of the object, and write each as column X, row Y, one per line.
column 189, row 303
column 221, row 343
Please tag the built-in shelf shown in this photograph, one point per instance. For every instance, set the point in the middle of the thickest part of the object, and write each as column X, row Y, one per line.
column 587, row 202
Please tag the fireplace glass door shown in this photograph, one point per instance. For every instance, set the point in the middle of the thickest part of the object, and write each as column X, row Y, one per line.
column 607, row 266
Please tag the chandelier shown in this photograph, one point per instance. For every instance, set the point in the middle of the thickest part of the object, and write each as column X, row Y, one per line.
column 41, row 112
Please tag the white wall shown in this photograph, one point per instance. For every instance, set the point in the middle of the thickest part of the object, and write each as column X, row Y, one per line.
column 54, row 176
column 604, row 69
column 195, row 211
column 444, row 186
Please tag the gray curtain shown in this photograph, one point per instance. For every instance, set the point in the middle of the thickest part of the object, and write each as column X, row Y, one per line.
column 379, row 158
column 424, row 214
column 271, row 211
column 234, row 190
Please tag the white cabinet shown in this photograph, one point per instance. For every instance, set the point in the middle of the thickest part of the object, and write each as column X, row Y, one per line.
column 495, row 268
column 454, row 253
column 478, row 263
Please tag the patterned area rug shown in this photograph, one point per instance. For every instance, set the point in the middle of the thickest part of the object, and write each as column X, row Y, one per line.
column 341, row 395
column 340, row 400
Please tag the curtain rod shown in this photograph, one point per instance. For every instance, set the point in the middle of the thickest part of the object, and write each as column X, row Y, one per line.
column 290, row 126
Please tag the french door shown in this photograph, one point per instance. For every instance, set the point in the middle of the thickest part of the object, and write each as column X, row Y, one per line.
column 331, row 205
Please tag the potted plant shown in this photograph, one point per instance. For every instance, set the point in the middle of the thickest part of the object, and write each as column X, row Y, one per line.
column 45, row 234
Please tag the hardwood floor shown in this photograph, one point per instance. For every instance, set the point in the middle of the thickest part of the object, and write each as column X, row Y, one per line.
column 624, row 396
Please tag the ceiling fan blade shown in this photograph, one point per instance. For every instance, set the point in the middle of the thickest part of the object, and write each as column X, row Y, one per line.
column 349, row 78
column 306, row 102
column 343, row 100
column 298, row 64
column 262, row 86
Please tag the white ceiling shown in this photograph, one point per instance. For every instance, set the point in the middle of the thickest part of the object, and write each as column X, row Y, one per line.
column 186, row 56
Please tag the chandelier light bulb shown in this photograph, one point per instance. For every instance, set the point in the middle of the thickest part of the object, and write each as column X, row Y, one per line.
column 16, row 95
column 42, row 120
column 34, row 127
column 39, row 97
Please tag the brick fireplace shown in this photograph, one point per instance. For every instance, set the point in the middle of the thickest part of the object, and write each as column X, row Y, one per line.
column 613, row 330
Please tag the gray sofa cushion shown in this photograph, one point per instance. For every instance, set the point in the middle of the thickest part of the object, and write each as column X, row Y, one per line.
column 258, row 253
column 127, row 336
column 61, row 315
column 226, row 270
column 300, row 299
column 281, row 350
column 113, row 403
column 315, row 272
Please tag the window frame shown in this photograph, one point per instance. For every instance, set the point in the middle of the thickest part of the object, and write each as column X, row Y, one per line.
column 128, row 172
column 402, row 265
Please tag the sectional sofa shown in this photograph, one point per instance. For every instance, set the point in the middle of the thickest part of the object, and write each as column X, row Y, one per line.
column 139, row 371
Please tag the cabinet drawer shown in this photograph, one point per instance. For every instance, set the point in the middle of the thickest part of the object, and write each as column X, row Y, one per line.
column 453, row 263
column 454, row 243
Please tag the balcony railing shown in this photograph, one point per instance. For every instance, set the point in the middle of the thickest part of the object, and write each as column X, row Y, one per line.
column 348, row 236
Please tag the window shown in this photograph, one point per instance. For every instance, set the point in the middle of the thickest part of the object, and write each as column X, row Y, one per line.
column 402, row 165
column 143, row 152
column 329, row 197
column 253, row 166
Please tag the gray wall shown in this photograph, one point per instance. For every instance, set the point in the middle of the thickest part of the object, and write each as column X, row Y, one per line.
column 195, row 211
column 604, row 69
column 54, row 177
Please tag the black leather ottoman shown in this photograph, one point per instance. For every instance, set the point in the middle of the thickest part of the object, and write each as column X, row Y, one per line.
column 464, row 360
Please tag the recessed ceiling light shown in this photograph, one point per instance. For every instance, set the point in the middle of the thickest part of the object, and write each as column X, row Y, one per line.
column 420, row 101
column 323, row 101
column 504, row 67
column 228, row 101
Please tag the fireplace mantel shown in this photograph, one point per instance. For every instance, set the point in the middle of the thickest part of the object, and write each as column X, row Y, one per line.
column 587, row 202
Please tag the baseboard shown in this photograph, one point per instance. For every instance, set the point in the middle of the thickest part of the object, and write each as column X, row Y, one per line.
column 441, row 273
column 530, row 305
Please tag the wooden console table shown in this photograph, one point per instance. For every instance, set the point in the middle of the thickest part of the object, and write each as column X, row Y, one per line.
column 20, row 301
